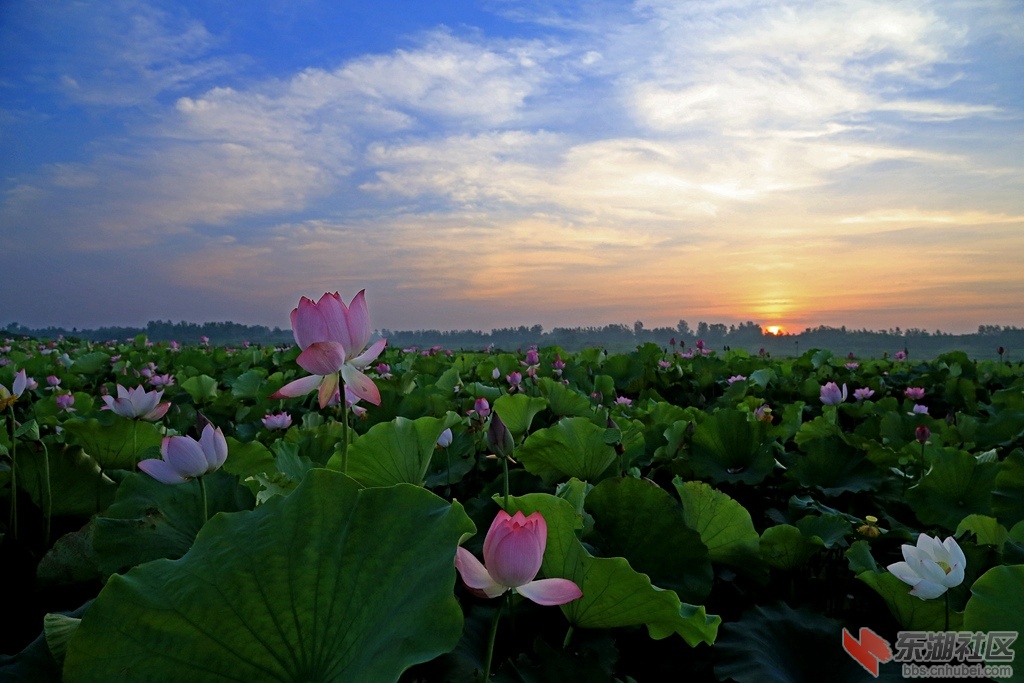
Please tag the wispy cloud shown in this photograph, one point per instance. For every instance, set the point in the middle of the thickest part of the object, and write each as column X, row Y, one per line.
column 714, row 157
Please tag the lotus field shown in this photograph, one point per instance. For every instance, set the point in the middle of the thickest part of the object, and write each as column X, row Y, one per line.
column 341, row 510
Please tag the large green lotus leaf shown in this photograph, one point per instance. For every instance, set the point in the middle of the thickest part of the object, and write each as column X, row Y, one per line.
column 115, row 443
column 955, row 485
column 77, row 486
column 574, row 447
column 331, row 583
column 200, row 388
column 317, row 443
column 563, row 401
column 613, row 593
column 986, row 530
column 1008, row 493
column 785, row 547
column 517, row 412
column 834, row 468
column 727, row 447
column 248, row 459
column 640, row 521
column 91, row 363
column 913, row 613
column 247, row 385
column 395, row 452
column 150, row 520
column 725, row 526
column 777, row 644
column 997, row 604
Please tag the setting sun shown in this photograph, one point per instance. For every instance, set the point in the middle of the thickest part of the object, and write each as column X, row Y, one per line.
column 774, row 329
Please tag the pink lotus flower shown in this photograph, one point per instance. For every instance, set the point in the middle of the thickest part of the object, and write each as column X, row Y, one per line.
column 514, row 380
column 863, row 394
column 513, row 552
column 832, row 395
column 735, row 378
column 333, row 339
column 65, row 401
column 160, row 381
column 137, row 403
column 274, row 421
column 481, row 408
column 184, row 458
column 914, row 393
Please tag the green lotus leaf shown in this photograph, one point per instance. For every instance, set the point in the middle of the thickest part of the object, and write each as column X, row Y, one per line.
column 517, row 412
column 76, row 484
column 986, row 530
column 956, row 485
column 834, row 468
column 778, row 644
column 725, row 526
column 563, row 401
column 574, row 447
column 828, row 528
column 395, row 452
column 913, row 613
column 306, row 587
column 149, row 520
column 1008, row 493
column 785, row 547
column 200, row 388
column 247, row 385
column 640, row 521
column 727, row 447
column 997, row 604
column 614, row 594
column 113, row 441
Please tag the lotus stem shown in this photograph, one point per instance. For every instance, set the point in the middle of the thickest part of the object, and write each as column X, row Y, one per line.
column 202, row 492
column 568, row 637
column 49, row 493
column 491, row 640
column 344, row 427
column 13, row 522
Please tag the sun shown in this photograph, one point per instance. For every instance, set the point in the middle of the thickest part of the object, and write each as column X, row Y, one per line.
column 774, row 329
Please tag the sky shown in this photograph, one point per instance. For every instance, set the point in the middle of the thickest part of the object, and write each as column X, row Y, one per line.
column 492, row 163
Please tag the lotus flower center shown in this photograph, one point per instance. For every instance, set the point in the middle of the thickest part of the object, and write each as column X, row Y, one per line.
column 945, row 567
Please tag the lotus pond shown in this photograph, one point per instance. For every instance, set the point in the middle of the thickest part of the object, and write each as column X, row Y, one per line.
column 724, row 516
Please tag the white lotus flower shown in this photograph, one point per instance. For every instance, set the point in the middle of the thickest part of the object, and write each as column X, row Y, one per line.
column 932, row 567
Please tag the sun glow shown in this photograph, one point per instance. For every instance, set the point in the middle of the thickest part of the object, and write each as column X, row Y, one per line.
column 774, row 329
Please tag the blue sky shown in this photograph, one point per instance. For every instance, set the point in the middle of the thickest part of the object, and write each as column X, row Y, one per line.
column 493, row 163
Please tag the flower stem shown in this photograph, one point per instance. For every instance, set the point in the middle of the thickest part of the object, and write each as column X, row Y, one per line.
column 202, row 491
column 504, row 466
column 344, row 426
column 13, row 523
column 135, row 441
column 49, row 493
column 568, row 637
column 491, row 640
column 947, row 612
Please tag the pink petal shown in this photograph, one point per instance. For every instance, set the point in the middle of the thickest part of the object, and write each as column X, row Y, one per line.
column 358, row 322
column 184, row 455
column 328, row 389
column 369, row 355
column 475, row 575
column 360, row 385
column 214, row 446
column 161, row 471
column 156, row 413
column 550, row 591
column 515, row 558
column 334, row 313
column 322, row 358
column 299, row 387
column 308, row 324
